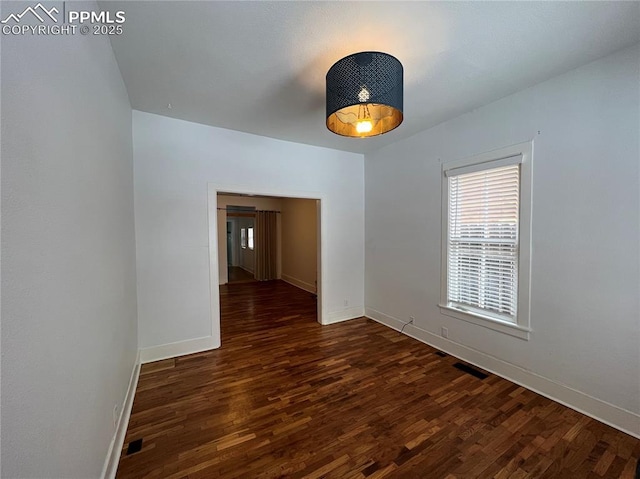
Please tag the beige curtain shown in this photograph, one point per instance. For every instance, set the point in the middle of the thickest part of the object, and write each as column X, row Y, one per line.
column 266, row 251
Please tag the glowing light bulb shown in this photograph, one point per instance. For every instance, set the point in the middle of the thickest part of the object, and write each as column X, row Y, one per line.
column 364, row 126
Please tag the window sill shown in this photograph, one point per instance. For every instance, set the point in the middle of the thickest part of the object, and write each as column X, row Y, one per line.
column 505, row 327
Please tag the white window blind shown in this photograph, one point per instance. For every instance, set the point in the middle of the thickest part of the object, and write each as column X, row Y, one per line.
column 482, row 247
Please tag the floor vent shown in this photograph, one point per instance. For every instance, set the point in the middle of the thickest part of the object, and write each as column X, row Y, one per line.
column 371, row 469
column 469, row 370
column 134, row 446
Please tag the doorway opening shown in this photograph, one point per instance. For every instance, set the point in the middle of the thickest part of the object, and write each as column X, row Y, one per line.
column 291, row 258
column 240, row 242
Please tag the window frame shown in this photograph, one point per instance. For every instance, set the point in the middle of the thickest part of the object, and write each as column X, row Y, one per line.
column 243, row 238
column 521, row 328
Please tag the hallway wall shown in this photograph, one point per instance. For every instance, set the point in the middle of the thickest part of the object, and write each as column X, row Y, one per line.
column 300, row 243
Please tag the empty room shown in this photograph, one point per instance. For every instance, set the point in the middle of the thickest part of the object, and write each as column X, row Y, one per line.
column 320, row 239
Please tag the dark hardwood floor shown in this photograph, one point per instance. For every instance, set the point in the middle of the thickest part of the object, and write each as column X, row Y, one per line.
column 235, row 274
column 286, row 397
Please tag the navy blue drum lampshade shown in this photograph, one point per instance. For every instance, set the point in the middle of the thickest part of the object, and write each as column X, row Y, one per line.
column 364, row 95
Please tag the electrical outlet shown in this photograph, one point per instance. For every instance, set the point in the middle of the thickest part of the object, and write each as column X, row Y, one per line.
column 116, row 411
column 346, row 303
column 444, row 332
column 411, row 319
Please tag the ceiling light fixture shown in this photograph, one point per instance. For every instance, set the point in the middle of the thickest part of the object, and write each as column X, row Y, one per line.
column 364, row 95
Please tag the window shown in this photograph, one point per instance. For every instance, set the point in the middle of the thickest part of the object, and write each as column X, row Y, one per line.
column 250, row 235
column 243, row 238
column 486, row 216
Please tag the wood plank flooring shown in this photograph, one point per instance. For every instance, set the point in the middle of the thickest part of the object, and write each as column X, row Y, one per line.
column 235, row 274
column 286, row 397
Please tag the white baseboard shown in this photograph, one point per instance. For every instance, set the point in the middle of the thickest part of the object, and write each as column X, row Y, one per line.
column 614, row 416
column 181, row 348
column 343, row 315
column 311, row 288
column 115, row 448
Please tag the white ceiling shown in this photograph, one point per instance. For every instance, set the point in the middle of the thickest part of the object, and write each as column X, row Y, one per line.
column 260, row 67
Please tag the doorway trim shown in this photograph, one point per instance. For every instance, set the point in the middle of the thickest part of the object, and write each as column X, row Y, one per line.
column 212, row 213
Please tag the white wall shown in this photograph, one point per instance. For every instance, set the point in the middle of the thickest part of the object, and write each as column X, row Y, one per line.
column 585, row 256
column 300, row 243
column 68, row 251
column 174, row 163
